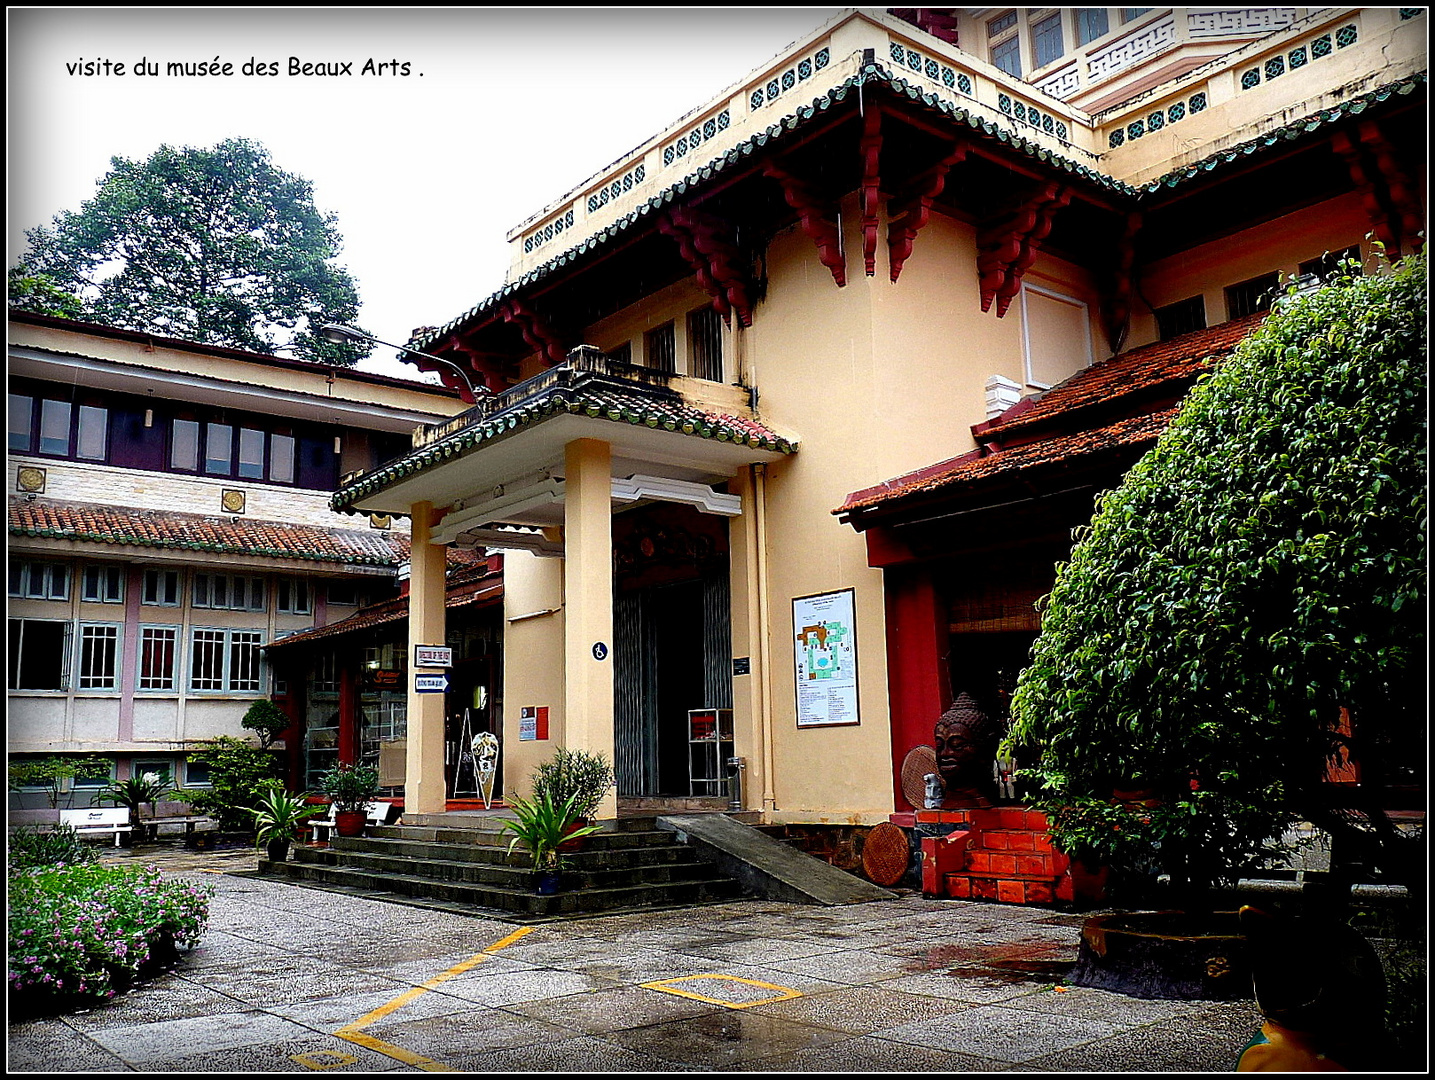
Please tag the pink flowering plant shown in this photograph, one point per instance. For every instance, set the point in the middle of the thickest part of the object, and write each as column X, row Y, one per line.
column 84, row 933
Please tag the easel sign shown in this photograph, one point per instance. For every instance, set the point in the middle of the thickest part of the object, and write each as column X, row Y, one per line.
column 824, row 629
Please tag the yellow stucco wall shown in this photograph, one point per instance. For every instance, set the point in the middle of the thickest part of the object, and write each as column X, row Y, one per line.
column 532, row 661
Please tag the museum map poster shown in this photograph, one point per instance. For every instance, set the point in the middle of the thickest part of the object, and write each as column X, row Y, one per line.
column 825, row 651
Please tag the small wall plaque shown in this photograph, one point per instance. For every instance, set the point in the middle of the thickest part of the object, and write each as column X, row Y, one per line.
column 232, row 501
column 380, row 521
column 28, row 478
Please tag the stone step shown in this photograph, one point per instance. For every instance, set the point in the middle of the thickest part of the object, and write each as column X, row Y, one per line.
column 587, row 857
column 607, row 839
column 595, row 875
column 1015, row 863
column 510, row 902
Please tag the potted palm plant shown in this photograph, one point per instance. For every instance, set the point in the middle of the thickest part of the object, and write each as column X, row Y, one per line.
column 543, row 824
column 350, row 789
column 278, row 819
column 133, row 793
column 577, row 776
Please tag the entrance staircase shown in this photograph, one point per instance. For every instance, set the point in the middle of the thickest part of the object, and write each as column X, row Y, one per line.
column 631, row 864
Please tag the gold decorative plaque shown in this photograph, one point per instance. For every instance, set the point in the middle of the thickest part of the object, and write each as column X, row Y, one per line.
column 380, row 521
column 30, row 479
column 232, row 502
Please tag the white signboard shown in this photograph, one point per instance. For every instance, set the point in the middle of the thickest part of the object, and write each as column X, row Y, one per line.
column 435, row 683
column 433, row 656
column 825, row 653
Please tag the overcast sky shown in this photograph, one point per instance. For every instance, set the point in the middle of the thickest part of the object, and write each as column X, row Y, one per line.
column 502, row 112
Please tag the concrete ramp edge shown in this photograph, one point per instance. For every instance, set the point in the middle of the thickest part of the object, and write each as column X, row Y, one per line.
column 766, row 867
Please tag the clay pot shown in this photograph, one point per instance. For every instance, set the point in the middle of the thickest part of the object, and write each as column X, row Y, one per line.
column 350, row 822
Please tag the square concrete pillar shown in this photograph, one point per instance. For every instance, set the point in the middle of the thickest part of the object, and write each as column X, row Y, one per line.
column 588, row 603
column 424, row 791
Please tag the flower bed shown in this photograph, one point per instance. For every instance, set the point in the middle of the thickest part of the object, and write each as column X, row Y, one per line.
column 82, row 933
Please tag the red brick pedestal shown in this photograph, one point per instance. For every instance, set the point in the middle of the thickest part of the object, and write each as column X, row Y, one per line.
column 1004, row 854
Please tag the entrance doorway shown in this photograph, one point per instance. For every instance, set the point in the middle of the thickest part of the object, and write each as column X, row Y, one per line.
column 672, row 642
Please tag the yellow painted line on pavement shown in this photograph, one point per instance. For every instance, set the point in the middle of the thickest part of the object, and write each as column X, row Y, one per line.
column 354, row 1032
column 784, row 993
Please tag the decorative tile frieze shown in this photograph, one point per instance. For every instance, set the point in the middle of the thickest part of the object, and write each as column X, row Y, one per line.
column 938, row 72
column 700, row 133
column 1157, row 120
column 1220, row 22
column 544, row 233
column 1131, row 50
column 1030, row 114
column 612, row 192
column 1315, row 49
column 778, row 85
column 1063, row 84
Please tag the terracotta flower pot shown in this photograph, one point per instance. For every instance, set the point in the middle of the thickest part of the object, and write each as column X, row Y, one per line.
column 569, row 846
column 350, row 822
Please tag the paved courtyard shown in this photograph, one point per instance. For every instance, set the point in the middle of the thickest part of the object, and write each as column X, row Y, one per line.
column 295, row 980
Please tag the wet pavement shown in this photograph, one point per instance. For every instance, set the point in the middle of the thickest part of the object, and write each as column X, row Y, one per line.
column 289, row 979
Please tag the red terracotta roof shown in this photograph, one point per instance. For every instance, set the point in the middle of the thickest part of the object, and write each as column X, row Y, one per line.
column 1115, row 404
column 475, row 586
column 1174, row 363
column 167, row 530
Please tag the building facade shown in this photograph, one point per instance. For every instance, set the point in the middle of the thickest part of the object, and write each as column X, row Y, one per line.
column 860, row 264
column 168, row 519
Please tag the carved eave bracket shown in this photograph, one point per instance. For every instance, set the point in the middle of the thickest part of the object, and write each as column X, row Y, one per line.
column 1008, row 245
column 707, row 245
column 870, row 147
column 537, row 334
column 818, row 217
column 1116, row 300
column 493, row 370
column 1385, row 190
column 913, row 209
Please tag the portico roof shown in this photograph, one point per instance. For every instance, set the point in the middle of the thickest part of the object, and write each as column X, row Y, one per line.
column 516, row 441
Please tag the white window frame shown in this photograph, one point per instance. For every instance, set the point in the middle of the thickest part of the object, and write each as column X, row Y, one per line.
column 1026, row 331
column 227, row 640
column 194, row 783
column 161, row 573
column 161, row 766
column 105, row 571
column 47, row 573
column 66, row 651
column 98, row 631
column 253, row 584
column 146, row 631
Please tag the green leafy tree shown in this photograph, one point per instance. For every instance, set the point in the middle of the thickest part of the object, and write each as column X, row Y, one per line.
column 51, row 772
column 266, row 720
column 29, row 291
column 240, row 776
column 1259, row 571
column 214, row 245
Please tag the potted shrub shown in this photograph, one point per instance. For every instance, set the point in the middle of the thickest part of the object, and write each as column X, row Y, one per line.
column 133, row 794
column 350, row 789
column 577, row 776
column 278, row 820
column 542, row 826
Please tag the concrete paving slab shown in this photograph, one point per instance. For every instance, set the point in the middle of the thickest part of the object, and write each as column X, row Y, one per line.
column 896, row 986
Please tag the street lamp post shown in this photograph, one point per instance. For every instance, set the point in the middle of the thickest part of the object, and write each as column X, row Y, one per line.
column 339, row 335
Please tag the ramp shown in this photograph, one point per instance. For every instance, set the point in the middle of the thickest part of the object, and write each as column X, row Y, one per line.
column 766, row 867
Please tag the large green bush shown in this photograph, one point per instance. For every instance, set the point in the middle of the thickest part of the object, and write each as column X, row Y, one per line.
column 240, row 776
column 1260, row 569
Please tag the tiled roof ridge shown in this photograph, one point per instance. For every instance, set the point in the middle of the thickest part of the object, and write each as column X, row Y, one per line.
column 1173, row 361
column 685, row 418
column 389, row 611
column 171, row 530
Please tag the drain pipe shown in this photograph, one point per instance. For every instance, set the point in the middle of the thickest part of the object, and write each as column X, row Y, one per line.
column 759, row 498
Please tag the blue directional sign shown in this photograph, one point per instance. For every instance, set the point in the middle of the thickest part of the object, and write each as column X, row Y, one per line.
column 426, row 682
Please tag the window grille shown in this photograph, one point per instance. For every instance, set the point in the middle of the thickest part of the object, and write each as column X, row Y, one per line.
column 705, row 344
column 1248, row 297
column 99, row 652
column 158, row 648
column 660, row 347
column 1181, row 317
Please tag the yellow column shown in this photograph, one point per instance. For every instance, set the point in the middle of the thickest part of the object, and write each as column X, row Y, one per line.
column 424, row 783
column 588, row 603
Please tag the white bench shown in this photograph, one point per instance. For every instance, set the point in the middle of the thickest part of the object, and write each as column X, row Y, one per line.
column 376, row 813
column 98, row 819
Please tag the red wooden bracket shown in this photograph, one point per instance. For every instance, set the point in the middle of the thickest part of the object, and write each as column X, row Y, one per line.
column 870, row 146
column 492, row 369
column 705, row 242
column 1403, row 196
column 817, row 218
column 1116, row 304
column 914, row 210
column 1008, row 246
column 536, row 332
column 1367, row 185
